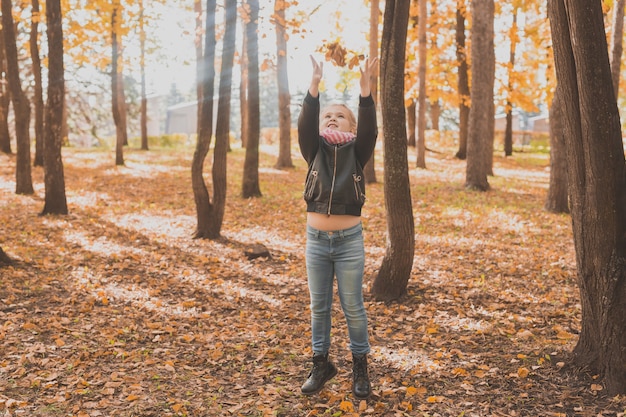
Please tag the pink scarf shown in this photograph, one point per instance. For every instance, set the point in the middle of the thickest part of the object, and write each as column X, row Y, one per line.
column 336, row 137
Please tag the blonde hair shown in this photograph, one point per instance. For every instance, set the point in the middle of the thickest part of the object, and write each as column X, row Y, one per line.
column 349, row 114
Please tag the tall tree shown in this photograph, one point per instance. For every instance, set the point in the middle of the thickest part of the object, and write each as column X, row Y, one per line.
column 393, row 276
column 481, row 117
column 250, row 186
column 142, row 68
column 243, row 89
column 5, row 102
column 199, row 29
column 462, row 79
column 369, row 171
column 38, row 87
column 284, row 98
column 557, row 200
column 597, row 186
column 617, row 37
column 222, row 128
column 117, row 107
column 420, row 161
column 55, row 199
column 21, row 106
column 508, row 129
column 205, row 126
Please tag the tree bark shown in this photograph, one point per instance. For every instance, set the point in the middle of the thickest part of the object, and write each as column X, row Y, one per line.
column 55, row 199
column 463, row 79
column 21, row 106
column 480, row 129
column 508, row 130
column 38, row 87
column 5, row 101
column 250, row 186
column 391, row 281
column 222, row 128
column 116, row 106
column 243, row 90
column 597, row 186
column 205, row 127
column 369, row 171
column 557, row 198
column 144, row 100
column 420, row 148
column 284, row 98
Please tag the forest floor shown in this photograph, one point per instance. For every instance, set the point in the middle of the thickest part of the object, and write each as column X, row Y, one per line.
column 114, row 310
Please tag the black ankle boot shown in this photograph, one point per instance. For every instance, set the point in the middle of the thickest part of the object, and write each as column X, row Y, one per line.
column 322, row 371
column 361, row 387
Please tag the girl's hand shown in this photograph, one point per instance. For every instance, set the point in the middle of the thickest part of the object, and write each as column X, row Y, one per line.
column 367, row 71
column 316, row 77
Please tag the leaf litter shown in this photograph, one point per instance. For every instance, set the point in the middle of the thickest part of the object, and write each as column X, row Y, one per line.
column 114, row 310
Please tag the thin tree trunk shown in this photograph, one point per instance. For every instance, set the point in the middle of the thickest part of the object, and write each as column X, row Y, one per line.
column 142, row 64
column 38, row 87
column 243, row 90
column 197, row 7
column 222, row 128
column 55, row 199
column 391, row 281
column 480, row 133
column 369, row 171
column 284, row 98
column 420, row 161
column 463, row 80
column 5, row 101
column 21, row 106
column 115, row 97
column 205, row 127
column 508, row 130
column 250, row 186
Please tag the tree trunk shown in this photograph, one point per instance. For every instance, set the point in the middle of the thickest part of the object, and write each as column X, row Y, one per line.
column 480, row 129
column 508, row 130
column 463, row 79
column 55, row 200
column 5, row 102
column 21, row 106
column 243, row 90
column 38, row 87
column 411, row 116
column 557, row 199
column 393, row 276
column 205, row 127
column 115, row 98
column 597, row 187
column 144, row 101
column 617, row 35
column 250, row 186
column 284, row 98
column 369, row 171
column 435, row 113
column 420, row 161
column 222, row 128
column 197, row 8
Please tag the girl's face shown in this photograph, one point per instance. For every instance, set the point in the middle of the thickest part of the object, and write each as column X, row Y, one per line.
column 337, row 117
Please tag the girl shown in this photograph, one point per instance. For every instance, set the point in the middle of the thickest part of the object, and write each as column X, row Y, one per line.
column 336, row 149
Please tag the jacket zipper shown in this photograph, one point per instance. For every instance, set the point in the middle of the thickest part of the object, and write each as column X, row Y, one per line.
column 332, row 186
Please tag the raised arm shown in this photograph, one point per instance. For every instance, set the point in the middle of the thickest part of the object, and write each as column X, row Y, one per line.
column 308, row 121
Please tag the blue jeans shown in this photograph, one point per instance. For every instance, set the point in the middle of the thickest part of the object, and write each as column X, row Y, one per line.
column 341, row 254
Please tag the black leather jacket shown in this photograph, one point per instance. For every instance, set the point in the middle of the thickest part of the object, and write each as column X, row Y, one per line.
column 334, row 181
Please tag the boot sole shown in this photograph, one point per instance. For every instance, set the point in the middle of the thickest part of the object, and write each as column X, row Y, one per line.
column 331, row 376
